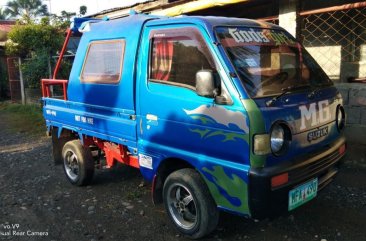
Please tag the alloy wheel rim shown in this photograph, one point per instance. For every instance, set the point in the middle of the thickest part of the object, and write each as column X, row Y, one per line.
column 182, row 206
column 71, row 164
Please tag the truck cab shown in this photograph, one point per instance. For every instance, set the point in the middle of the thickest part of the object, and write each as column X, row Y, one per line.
column 217, row 113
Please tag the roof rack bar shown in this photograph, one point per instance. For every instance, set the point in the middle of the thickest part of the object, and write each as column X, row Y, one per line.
column 69, row 33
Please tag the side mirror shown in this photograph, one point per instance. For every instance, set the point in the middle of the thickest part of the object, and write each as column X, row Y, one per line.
column 206, row 84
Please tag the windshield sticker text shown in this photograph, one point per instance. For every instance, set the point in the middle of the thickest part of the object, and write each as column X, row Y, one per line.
column 323, row 115
column 261, row 36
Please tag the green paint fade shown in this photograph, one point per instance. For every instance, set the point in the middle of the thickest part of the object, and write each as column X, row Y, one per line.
column 201, row 132
column 256, row 127
column 235, row 187
column 207, row 133
column 227, row 136
column 204, row 120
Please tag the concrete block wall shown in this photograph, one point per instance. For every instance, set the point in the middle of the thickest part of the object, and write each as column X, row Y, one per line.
column 354, row 97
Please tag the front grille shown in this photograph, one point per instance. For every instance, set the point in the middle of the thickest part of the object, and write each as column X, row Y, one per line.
column 314, row 168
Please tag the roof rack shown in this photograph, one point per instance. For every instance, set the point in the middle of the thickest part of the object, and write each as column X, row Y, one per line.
column 78, row 23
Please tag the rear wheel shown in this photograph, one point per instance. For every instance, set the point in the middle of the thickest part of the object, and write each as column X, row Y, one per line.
column 189, row 204
column 57, row 145
column 78, row 163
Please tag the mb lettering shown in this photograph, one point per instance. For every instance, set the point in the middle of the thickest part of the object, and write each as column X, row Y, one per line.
column 307, row 114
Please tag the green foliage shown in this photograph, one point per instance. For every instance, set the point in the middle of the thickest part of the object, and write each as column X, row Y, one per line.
column 36, row 69
column 38, row 42
column 27, row 39
column 27, row 9
column 24, row 118
column 65, row 68
column 67, row 15
column 2, row 14
column 57, row 21
column 18, row 108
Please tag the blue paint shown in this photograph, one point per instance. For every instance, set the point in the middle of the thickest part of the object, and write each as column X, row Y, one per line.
column 233, row 200
column 118, row 112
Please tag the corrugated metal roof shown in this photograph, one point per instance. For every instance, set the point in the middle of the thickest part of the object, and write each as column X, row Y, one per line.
column 111, row 10
column 6, row 26
column 192, row 6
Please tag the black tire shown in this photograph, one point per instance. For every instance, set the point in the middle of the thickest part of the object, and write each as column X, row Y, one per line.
column 78, row 163
column 189, row 204
column 57, row 145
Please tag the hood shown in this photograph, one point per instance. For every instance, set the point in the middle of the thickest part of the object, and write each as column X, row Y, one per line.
column 311, row 120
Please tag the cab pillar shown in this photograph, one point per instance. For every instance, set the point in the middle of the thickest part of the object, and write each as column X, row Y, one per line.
column 288, row 15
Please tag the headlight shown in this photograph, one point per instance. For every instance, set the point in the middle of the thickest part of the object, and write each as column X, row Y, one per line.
column 340, row 118
column 277, row 138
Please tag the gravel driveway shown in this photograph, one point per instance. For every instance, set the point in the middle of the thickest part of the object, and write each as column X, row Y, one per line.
column 37, row 203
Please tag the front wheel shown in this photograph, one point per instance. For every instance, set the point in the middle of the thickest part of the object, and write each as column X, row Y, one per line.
column 78, row 163
column 189, row 204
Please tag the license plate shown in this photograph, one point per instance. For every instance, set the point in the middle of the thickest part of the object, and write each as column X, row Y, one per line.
column 302, row 194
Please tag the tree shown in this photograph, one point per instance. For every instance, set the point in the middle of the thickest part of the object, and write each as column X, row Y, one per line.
column 26, row 9
column 83, row 10
column 29, row 38
column 67, row 15
column 2, row 14
column 38, row 42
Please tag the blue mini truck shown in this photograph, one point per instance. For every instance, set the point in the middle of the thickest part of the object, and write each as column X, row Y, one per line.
column 218, row 113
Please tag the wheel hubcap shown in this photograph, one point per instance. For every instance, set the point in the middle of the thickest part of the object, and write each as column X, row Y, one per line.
column 71, row 164
column 182, row 206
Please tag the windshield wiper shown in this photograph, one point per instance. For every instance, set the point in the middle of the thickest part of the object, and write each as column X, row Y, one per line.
column 285, row 91
column 315, row 91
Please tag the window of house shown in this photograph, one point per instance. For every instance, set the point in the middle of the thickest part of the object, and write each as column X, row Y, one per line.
column 177, row 55
column 104, row 62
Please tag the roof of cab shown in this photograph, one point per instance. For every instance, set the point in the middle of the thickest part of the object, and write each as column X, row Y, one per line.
column 211, row 21
column 131, row 24
column 136, row 21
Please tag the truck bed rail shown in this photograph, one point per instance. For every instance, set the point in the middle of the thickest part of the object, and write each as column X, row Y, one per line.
column 46, row 87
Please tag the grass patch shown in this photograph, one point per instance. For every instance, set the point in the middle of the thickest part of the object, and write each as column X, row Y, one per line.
column 26, row 119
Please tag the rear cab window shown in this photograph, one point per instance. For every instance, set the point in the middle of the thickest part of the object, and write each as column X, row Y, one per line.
column 103, row 62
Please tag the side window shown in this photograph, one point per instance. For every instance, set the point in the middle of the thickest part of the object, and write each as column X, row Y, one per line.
column 103, row 62
column 176, row 55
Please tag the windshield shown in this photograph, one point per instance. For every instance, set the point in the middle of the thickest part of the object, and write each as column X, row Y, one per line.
column 268, row 61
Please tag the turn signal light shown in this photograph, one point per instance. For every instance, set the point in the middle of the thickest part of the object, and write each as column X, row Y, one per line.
column 279, row 180
column 262, row 144
column 342, row 149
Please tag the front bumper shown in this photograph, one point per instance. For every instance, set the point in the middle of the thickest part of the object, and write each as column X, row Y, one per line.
column 265, row 201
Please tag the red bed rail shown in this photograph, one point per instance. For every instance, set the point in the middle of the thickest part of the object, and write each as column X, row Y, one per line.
column 64, row 47
column 47, row 83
